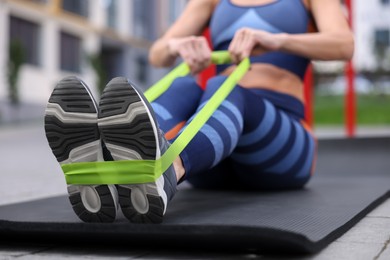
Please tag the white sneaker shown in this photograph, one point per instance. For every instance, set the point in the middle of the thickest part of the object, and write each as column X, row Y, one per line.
column 72, row 133
column 130, row 131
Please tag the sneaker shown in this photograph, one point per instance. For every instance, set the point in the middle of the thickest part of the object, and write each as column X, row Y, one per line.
column 72, row 133
column 130, row 131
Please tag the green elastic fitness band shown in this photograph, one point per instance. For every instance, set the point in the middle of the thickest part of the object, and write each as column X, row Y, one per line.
column 143, row 171
column 217, row 57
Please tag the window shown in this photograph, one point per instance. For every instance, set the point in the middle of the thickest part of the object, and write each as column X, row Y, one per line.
column 111, row 6
column 79, row 7
column 172, row 11
column 381, row 46
column 144, row 18
column 70, row 52
column 175, row 9
column 142, row 69
column 40, row 1
column 382, row 38
column 26, row 34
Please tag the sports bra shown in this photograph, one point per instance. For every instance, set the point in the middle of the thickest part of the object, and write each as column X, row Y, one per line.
column 280, row 16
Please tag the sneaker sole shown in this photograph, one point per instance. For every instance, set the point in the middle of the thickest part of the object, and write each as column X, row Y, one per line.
column 72, row 133
column 129, row 132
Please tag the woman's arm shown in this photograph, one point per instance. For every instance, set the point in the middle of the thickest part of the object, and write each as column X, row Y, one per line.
column 180, row 38
column 333, row 41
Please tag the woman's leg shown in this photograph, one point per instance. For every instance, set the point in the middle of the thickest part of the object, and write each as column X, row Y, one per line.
column 219, row 136
column 274, row 151
column 175, row 106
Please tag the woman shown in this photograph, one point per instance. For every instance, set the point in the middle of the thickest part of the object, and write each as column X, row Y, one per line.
column 257, row 138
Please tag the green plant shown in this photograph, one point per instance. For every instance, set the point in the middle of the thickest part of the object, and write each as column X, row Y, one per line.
column 16, row 60
column 371, row 109
column 96, row 62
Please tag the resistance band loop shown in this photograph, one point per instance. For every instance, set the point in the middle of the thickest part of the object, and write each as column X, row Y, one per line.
column 217, row 57
column 143, row 171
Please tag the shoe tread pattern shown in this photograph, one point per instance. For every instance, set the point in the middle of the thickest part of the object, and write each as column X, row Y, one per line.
column 107, row 212
column 63, row 137
column 136, row 135
column 73, row 96
column 154, row 215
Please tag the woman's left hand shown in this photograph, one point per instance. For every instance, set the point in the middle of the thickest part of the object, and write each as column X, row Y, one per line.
column 247, row 42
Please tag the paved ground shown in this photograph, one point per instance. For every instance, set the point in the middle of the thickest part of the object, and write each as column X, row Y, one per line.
column 25, row 160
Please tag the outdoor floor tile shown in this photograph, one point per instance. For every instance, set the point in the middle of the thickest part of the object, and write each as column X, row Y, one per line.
column 385, row 255
column 20, row 250
column 80, row 252
column 349, row 251
column 43, row 178
column 368, row 231
column 382, row 211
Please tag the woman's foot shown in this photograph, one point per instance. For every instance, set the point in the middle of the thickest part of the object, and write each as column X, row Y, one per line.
column 72, row 133
column 130, row 131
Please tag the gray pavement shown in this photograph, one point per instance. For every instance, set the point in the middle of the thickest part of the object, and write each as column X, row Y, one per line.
column 325, row 132
column 29, row 171
column 23, row 112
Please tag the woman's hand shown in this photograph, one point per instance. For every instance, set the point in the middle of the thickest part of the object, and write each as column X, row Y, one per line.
column 247, row 42
column 194, row 50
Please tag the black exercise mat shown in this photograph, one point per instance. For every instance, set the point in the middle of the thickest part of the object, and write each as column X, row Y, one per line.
column 352, row 178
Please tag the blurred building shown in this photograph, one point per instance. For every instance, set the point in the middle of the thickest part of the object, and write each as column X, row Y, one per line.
column 371, row 26
column 94, row 40
column 100, row 39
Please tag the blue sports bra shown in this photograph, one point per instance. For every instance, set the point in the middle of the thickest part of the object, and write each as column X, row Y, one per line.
column 280, row 16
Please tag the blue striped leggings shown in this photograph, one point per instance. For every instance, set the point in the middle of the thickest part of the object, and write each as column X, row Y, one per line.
column 255, row 139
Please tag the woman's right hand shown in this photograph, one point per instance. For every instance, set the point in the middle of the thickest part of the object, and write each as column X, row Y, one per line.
column 194, row 50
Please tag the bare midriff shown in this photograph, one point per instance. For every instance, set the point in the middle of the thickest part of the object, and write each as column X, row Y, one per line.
column 270, row 77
